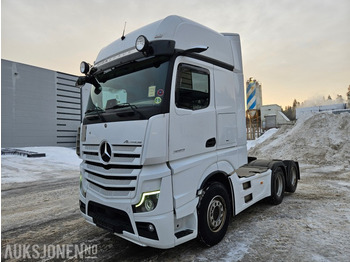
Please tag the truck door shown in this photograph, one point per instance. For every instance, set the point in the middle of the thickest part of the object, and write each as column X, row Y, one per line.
column 192, row 111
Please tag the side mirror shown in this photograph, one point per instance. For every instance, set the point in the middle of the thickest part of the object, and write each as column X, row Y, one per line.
column 80, row 81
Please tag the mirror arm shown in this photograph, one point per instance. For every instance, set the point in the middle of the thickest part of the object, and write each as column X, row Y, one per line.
column 82, row 80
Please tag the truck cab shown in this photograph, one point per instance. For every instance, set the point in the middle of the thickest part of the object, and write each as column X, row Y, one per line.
column 163, row 142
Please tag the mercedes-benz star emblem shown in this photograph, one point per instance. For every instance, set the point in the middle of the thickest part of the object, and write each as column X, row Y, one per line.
column 105, row 151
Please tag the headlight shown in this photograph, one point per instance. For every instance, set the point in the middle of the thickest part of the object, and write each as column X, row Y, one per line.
column 148, row 202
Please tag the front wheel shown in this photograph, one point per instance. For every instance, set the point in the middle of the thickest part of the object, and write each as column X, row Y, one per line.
column 213, row 214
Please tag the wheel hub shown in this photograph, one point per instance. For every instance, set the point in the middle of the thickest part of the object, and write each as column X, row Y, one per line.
column 216, row 213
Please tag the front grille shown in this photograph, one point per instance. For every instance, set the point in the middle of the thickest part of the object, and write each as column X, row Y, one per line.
column 122, row 154
column 118, row 178
column 111, row 219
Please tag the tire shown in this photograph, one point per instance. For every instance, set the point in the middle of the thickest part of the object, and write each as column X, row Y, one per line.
column 292, row 178
column 214, row 212
column 277, row 186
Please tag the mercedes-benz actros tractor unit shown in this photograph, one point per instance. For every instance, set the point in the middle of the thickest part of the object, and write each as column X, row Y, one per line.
column 163, row 138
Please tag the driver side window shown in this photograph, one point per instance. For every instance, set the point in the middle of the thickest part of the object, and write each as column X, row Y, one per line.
column 192, row 87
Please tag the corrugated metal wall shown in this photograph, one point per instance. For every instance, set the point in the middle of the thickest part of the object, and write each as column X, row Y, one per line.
column 39, row 107
column 68, row 104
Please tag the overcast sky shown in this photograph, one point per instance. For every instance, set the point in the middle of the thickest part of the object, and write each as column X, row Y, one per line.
column 295, row 48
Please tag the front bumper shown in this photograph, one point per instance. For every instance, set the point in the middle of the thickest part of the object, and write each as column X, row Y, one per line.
column 162, row 236
column 154, row 228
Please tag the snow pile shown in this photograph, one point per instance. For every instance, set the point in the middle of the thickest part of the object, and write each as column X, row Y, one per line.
column 321, row 139
column 59, row 161
column 262, row 138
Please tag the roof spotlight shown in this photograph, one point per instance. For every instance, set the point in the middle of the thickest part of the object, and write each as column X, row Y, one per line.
column 84, row 67
column 142, row 44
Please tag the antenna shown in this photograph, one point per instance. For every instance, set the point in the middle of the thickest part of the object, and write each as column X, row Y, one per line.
column 123, row 36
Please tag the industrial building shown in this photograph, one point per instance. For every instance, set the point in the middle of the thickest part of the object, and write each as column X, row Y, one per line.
column 272, row 116
column 39, row 107
column 261, row 117
column 254, row 103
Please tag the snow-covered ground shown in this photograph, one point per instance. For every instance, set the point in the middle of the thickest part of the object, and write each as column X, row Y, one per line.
column 16, row 169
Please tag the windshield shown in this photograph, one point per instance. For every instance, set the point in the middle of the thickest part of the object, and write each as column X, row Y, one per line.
column 138, row 88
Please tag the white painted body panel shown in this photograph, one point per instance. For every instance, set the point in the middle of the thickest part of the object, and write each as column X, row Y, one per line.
column 260, row 189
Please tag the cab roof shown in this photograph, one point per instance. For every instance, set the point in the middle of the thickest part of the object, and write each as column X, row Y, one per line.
column 186, row 34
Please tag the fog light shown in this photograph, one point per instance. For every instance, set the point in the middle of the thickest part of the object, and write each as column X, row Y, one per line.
column 150, row 228
column 147, row 230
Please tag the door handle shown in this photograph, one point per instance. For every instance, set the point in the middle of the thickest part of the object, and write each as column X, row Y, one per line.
column 210, row 142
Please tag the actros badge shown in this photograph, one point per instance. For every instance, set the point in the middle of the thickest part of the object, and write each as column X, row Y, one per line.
column 106, row 151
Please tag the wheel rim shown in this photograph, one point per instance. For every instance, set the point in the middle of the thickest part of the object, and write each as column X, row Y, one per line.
column 279, row 184
column 216, row 214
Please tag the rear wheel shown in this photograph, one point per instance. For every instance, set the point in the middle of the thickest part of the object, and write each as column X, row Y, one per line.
column 213, row 214
column 292, row 178
column 277, row 186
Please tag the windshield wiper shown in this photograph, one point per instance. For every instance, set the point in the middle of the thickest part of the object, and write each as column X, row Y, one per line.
column 123, row 105
column 95, row 109
column 98, row 110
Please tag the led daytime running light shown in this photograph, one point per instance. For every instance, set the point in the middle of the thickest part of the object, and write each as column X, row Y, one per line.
column 147, row 194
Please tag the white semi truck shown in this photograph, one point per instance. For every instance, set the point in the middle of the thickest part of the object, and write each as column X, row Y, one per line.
column 163, row 138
